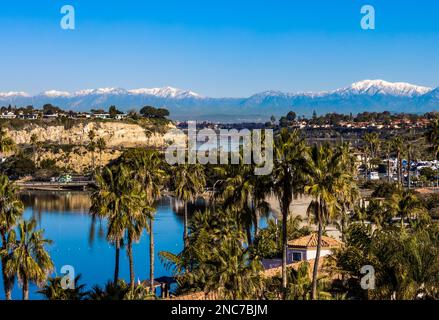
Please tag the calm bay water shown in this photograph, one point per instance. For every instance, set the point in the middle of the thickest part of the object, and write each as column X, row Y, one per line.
column 65, row 218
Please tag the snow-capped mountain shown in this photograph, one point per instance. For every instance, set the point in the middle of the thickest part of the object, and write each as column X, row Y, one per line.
column 366, row 95
column 373, row 87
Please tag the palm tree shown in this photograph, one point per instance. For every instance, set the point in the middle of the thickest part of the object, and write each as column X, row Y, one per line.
column 11, row 210
column 117, row 197
column 432, row 136
column 398, row 146
column 188, row 183
column 34, row 142
column 388, row 146
column 92, row 146
column 326, row 177
column 28, row 258
column 372, row 146
column 6, row 143
column 244, row 193
column 348, row 190
column 101, row 145
column 148, row 169
column 288, row 173
column 405, row 205
column 53, row 290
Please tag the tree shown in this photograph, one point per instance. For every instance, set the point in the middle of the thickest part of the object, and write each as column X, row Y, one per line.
column 149, row 171
column 113, row 111
column 11, row 210
column 92, row 146
column 6, row 143
column 432, row 136
column 219, row 257
column 372, row 147
column 188, row 183
column 101, row 145
column 35, row 144
column 288, row 176
column 53, row 290
column 151, row 112
column 326, row 175
column 244, row 194
column 117, row 197
column 398, row 146
column 291, row 116
column 28, row 258
column 405, row 205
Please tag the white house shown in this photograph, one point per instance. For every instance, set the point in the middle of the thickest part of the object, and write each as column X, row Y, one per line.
column 8, row 115
column 305, row 248
column 102, row 115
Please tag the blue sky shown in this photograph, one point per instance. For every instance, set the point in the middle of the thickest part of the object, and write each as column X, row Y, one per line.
column 216, row 48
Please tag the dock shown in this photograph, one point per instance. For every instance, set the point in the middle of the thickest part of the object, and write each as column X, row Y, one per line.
column 53, row 186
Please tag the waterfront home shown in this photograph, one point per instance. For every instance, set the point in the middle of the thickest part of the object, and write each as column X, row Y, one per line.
column 305, row 248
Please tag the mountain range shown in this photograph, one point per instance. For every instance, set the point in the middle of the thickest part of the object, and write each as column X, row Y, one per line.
column 366, row 95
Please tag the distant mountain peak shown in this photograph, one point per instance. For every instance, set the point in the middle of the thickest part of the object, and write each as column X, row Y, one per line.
column 372, row 87
column 166, row 92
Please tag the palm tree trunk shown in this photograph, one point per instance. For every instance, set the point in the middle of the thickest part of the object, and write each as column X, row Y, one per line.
column 7, row 283
column 25, row 288
column 388, row 168
column 116, row 264
column 256, row 231
column 284, row 249
column 131, row 262
column 185, row 238
column 408, row 171
column 151, row 255
column 398, row 167
column 316, row 261
column 400, row 171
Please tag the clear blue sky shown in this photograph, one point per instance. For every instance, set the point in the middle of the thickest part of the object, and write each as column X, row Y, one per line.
column 216, row 48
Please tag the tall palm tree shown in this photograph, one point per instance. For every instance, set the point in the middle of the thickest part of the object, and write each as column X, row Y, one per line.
column 398, row 146
column 117, row 197
column 92, row 146
column 348, row 191
column 11, row 210
column 388, row 146
column 432, row 136
column 372, row 141
column 6, row 142
column 290, row 164
column 101, row 145
column 28, row 258
column 326, row 173
column 35, row 143
column 244, row 194
column 149, row 171
column 188, row 183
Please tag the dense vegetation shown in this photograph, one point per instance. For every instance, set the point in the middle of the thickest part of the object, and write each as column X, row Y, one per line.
column 396, row 233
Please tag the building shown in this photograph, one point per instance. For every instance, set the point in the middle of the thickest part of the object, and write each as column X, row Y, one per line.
column 120, row 116
column 8, row 115
column 102, row 115
column 305, row 248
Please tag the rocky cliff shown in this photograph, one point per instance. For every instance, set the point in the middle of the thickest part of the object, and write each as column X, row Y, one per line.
column 115, row 134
